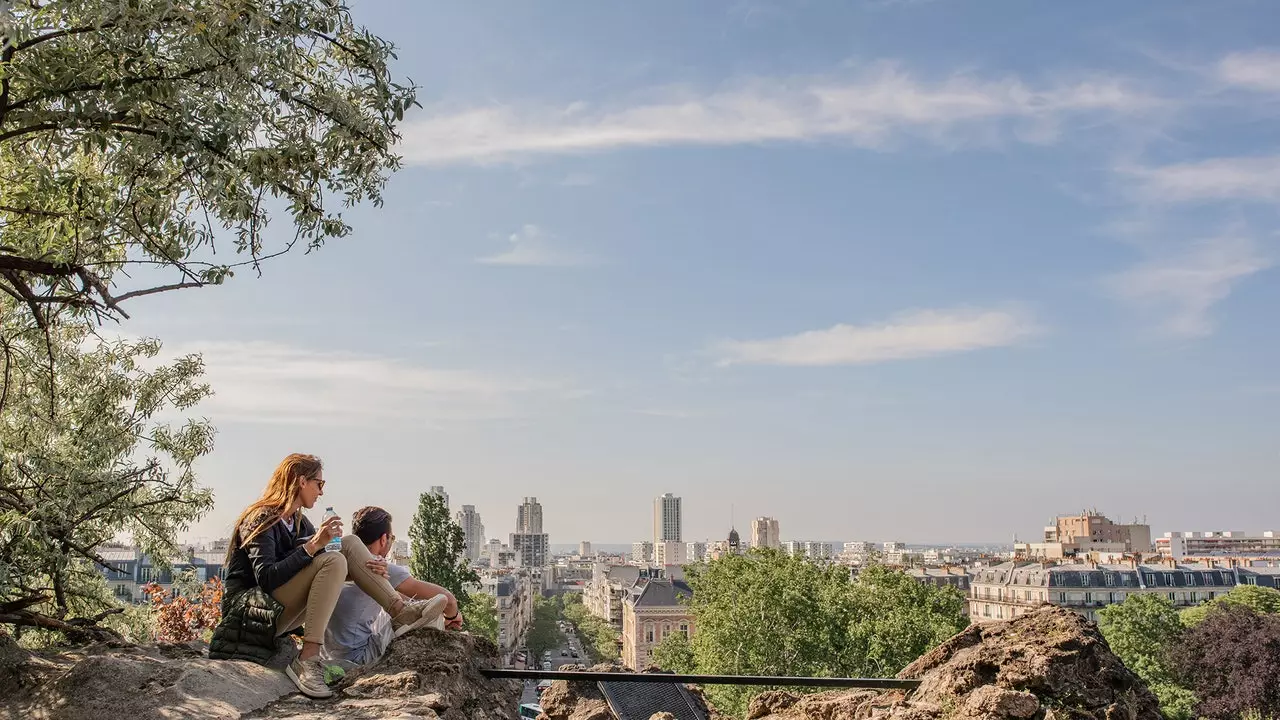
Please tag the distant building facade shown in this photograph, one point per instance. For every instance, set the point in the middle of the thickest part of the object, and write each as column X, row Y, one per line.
column 584, row 549
column 1011, row 589
column 1222, row 543
column 765, row 533
column 529, row 516
column 812, row 549
column 513, row 595
column 642, row 551
column 668, row 520
column 438, row 491
column 132, row 570
column 609, row 585
column 472, row 531
column 669, row 552
column 533, row 549
column 695, row 551
column 654, row 608
column 1088, row 533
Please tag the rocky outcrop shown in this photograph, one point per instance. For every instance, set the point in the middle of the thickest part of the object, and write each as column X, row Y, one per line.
column 428, row 674
column 1050, row 664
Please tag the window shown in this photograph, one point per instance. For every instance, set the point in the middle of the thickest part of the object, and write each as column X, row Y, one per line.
column 1190, row 577
column 1084, row 579
column 1062, row 597
column 1172, row 598
column 1250, row 580
column 1168, row 579
column 1110, row 579
column 648, row 632
column 684, row 628
column 1088, row 598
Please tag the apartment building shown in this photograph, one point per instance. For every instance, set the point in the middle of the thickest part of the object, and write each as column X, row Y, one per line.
column 765, row 533
column 1219, row 543
column 812, row 549
column 669, row 552
column 668, row 520
column 1089, row 533
column 533, row 549
column 473, row 535
column 133, row 569
column 608, row 587
column 652, row 610
column 1011, row 589
column 513, row 594
column 695, row 551
column 642, row 551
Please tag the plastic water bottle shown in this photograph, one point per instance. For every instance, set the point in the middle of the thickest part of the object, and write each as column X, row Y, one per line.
column 334, row 545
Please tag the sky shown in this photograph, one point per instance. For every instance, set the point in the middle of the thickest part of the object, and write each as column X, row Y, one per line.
column 932, row 271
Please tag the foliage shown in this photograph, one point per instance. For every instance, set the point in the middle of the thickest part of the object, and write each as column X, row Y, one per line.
column 1141, row 631
column 480, row 615
column 1231, row 661
column 436, row 547
column 1259, row 599
column 599, row 638
column 544, row 633
column 675, row 653
column 181, row 618
column 87, row 452
column 896, row 619
column 133, row 135
column 767, row 613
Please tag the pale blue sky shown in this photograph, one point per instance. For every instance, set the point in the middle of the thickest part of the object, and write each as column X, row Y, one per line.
column 888, row 269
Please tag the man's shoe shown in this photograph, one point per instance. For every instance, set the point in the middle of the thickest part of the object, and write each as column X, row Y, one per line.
column 308, row 675
column 418, row 613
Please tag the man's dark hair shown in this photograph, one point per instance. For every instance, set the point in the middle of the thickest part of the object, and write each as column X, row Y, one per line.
column 370, row 523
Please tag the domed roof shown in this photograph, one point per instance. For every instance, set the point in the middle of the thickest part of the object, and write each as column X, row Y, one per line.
column 733, row 536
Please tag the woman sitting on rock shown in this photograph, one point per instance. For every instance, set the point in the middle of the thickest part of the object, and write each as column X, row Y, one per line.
column 279, row 577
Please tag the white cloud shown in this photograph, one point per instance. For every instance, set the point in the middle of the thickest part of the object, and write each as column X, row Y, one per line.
column 907, row 335
column 1216, row 179
column 267, row 382
column 531, row 246
column 1183, row 288
column 866, row 110
column 1256, row 70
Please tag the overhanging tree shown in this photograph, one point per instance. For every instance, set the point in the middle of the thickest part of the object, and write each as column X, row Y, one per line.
column 145, row 146
column 137, row 136
column 86, row 453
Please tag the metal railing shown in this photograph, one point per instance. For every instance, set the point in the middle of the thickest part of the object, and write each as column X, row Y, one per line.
column 588, row 676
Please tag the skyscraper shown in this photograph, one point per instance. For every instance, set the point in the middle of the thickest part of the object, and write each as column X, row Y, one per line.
column 667, row 520
column 529, row 516
column 472, row 531
column 439, row 490
column 764, row 533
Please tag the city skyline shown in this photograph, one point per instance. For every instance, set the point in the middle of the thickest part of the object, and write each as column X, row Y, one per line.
column 880, row 269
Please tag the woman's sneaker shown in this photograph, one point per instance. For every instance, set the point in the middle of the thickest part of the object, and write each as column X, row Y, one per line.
column 418, row 613
column 308, row 675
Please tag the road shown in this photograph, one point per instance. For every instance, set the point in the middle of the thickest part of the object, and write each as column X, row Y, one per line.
column 571, row 645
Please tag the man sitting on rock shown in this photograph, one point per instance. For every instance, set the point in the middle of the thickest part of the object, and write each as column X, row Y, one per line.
column 360, row 631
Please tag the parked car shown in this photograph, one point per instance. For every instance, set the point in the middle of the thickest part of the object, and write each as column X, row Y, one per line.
column 564, row 653
column 546, row 665
column 574, row 653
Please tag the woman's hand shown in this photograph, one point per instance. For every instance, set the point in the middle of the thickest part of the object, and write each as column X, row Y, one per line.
column 328, row 530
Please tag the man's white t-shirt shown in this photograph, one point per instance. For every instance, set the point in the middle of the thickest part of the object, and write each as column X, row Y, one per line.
column 355, row 620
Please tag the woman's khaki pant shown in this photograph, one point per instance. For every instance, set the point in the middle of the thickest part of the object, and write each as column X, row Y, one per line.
column 310, row 596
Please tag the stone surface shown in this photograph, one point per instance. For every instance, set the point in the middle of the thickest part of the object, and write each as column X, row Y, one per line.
column 429, row 674
column 1050, row 664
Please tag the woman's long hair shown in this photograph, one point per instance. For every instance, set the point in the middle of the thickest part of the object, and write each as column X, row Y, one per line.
column 275, row 500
